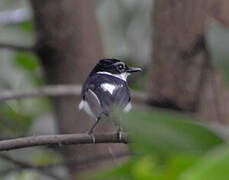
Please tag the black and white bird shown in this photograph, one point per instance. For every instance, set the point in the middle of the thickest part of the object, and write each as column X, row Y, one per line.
column 105, row 88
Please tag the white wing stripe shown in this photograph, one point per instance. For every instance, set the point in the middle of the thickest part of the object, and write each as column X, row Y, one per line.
column 108, row 87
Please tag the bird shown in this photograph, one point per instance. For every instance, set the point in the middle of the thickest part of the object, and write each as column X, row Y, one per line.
column 105, row 88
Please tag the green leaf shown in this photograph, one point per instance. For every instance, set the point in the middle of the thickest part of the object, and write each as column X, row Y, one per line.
column 167, row 133
column 30, row 63
column 123, row 171
column 45, row 156
column 166, row 143
column 177, row 164
column 147, row 167
column 213, row 166
column 16, row 120
column 27, row 26
column 144, row 168
column 27, row 61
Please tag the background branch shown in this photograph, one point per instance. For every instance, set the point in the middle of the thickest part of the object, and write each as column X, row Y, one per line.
column 65, row 139
column 59, row 90
column 75, row 90
column 16, row 47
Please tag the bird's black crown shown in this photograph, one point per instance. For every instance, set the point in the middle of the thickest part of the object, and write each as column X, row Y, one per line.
column 113, row 66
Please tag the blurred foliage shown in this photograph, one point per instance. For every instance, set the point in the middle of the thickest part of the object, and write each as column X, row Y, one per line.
column 27, row 61
column 136, row 81
column 23, row 175
column 30, row 63
column 13, row 121
column 27, row 26
column 168, row 132
column 45, row 157
column 170, row 146
column 212, row 166
column 26, row 116
column 223, row 66
column 17, row 116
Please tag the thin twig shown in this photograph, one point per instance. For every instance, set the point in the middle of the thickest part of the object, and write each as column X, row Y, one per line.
column 58, row 90
column 16, row 47
column 64, row 139
column 24, row 165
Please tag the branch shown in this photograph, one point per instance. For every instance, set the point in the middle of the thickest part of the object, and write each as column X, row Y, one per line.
column 58, row 90
column 16, row 47
column 65, row 139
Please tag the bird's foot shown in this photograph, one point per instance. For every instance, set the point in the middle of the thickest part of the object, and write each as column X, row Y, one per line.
column 90, row 131
column 91, row 136
column 120, row 135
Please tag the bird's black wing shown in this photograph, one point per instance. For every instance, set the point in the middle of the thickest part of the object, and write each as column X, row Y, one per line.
column 93, row 102
column 105, row 100
column 121, row 96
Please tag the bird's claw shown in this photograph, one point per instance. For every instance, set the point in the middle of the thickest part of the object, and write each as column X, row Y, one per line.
column 120, row 135
column 92, row 137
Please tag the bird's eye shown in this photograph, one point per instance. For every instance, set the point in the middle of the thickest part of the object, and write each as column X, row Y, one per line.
column 120, row 67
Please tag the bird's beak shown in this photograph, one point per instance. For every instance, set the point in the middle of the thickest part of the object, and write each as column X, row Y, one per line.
column 133, row 69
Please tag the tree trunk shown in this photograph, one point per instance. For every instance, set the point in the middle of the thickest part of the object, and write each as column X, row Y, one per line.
column 182, row 76
column 69, row 45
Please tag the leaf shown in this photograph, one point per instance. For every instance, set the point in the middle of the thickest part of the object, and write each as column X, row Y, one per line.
column 45, row 156
column 144, row 168
column 214, row 165
column 27, row 61
column 167, row 133
column 17, row 121
column 177, row 164
column 121, row 172
column 147, row 167
column 166, row 143
column 27, row 26
column 30, row 63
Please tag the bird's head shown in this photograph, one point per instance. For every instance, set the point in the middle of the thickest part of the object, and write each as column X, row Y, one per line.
column 114, row 67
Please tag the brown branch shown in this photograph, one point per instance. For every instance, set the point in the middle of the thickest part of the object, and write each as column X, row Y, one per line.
column 64, row 139
column 16, row 47
column 24, row 165
column 58, row 90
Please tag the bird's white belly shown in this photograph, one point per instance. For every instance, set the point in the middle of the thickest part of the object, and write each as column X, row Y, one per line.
column 128, row 107
column 85, row 106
